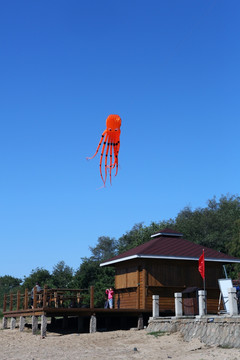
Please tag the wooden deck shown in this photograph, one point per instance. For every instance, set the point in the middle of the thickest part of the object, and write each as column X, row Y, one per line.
column 65, row 303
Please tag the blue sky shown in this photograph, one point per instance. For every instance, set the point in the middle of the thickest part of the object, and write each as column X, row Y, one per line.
column 170, row 69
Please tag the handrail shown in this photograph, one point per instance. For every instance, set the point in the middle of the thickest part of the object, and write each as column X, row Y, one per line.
column 56, row 297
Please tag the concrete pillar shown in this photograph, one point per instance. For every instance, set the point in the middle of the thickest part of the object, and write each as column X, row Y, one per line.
column 93, row 324
column 21, row 323
column 4, row 322
column 140, row 322
column 202, row 299
column 13, row 323
column 34, row 325
column 178, row 304
column 43, row 326
column 155, row 306
column 232, row 298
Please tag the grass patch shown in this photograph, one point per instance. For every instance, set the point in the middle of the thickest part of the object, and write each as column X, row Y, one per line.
column 225, row 346
column 158, row 333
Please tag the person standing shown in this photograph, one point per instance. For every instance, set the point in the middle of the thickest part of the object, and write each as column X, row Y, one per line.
column 38, row 288
column 110, row 294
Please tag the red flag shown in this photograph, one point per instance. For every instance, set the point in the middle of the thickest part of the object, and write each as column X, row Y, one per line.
column 201, row 265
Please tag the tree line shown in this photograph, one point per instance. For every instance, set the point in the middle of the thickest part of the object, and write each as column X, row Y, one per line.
column 216, row 226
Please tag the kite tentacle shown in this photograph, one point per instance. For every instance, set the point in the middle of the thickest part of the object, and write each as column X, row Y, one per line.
column 106, row 156
column 100, row 143
column 111, row 166
column 101, row 157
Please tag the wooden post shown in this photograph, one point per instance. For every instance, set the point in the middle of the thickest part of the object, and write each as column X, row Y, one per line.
column 18, row 299
column 44, row 295
column 138, row 289
column 144, row 276
column 91, row 297
column 65, row 322
column 5, row 302
column 78, row 298
column 80, row 324
column 34, row 297
column 26, row 299
column 11, row 302
column 56, row 299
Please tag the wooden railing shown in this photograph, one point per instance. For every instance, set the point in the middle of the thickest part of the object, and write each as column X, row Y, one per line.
column 67, row 298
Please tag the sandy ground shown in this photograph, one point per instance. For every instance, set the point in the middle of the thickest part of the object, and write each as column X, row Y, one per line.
column 130, row 344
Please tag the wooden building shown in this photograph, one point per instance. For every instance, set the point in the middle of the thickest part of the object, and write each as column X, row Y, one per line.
column 164, row 265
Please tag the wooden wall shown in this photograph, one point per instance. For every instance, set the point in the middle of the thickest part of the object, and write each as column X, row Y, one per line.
column 137, row 280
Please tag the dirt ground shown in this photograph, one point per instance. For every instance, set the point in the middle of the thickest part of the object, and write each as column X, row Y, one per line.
column 129, row 344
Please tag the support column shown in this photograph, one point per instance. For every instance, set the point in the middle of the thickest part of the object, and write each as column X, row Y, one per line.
column 155, row 306
column 178, row 304
column 34, row 325
column 140, row 322
column 232, row 298
column 80, row 324
column 53, row 321
column 202, row 299
column 13, row 323
column 93, row 324
column 43, row 326
column 4, row 322
column 65, row 322
column 21, row 323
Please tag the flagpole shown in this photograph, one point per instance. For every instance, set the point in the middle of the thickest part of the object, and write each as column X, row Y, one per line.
column 201, row 269
column 204, row 285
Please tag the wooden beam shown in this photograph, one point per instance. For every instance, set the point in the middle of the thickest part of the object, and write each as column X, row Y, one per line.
column 26, row 299
column 44, row 295
column 138, row 289
column 5, row 302
column 11, row 302
column 91, row 297
column 144, row 284
column 18, row 299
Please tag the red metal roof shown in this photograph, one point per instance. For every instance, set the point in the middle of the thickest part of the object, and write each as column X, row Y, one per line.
column 168, row 244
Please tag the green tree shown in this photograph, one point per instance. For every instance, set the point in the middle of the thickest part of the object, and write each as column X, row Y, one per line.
column 139, row 234
column 8, row 283
column 40, row 275
column 62, row 276
column 212, row 226
column 105, row 249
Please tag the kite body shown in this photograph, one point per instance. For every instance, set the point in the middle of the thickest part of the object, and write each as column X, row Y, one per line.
column 111, row 138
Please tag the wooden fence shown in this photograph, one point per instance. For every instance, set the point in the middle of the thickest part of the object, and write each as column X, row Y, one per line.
column 57, row 298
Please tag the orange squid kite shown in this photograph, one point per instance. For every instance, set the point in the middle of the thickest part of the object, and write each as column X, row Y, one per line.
column 111, row 138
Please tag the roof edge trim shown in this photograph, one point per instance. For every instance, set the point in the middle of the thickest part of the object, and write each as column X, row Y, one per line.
column 167, row 234
column 167, row 258
column 119, row 260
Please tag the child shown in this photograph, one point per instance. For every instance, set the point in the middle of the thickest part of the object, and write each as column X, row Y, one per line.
column 110, row 293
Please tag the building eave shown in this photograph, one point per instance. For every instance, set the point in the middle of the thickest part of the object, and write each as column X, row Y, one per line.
column 139, row 256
